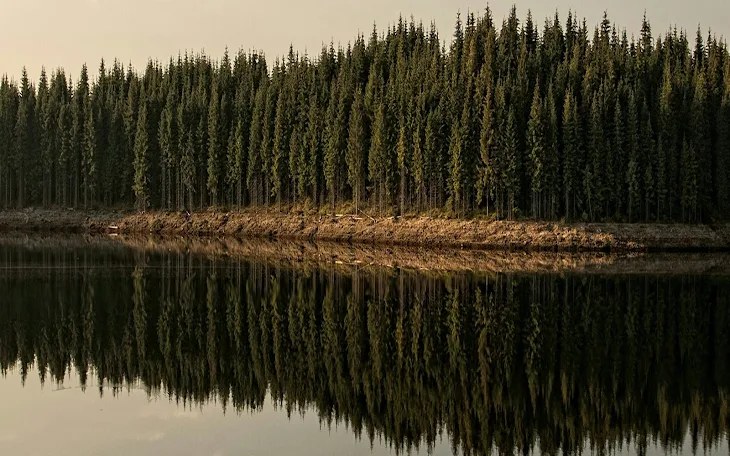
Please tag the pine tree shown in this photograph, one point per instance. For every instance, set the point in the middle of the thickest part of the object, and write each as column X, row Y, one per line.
column 214, row 148
column 23, row 139
column 690, row 197
column 187, row 166
column 237, row 163
column 282, row 136
column 619, row 155
column 537, row 148
column 552, row 156
column 115, row 190
column 510, row 177
column 378, row 156
column 141, row 160
column 89, row 162
column 403, row 153
column 723, row 147
column 313, row 144
column 357, row 147
column 433, row 149
column 64, row 154
column 131, row 111
column 80, row 105
column 168, row 140
column 336, row 139
column 254, row 178
column 633, row 171
column 666, row 148
column 41, row 175
column 594, row 168
column 418, row 162
column 701, row 146
column 571, row 156
column 649, row 162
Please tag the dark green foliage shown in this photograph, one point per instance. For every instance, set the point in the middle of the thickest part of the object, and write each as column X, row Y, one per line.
column 357, row 147
column 141, row 160
column 510, row 121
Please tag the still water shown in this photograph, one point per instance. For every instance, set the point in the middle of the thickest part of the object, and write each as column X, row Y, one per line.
column 111, row 349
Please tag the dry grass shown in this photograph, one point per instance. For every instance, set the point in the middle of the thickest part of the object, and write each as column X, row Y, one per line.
column 364, row 229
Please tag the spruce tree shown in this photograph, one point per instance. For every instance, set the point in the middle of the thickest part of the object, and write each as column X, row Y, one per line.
column 571, row 156
column 633, row 173
column 378, row 156
column 723, row 147
column 357, row 149
column 403, row 152
column 313, row 145
column 168, row 141
column 236, row 167
column 537, row 148
column 510, row 176
column 254, row 177
column 281, row 143
column 552, row 156
column 89, row 159
column 141, row 160
column 214, row 147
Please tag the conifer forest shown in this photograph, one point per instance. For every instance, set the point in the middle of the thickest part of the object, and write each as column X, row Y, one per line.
column 518, row 119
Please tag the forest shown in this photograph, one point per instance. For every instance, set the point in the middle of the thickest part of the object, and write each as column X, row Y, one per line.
column 498, row 363
column 511, row 120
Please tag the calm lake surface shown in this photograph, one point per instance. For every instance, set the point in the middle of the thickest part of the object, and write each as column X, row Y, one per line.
column 109, row 349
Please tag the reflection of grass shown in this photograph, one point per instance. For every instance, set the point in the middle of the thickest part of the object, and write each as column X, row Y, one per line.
column 303, row 254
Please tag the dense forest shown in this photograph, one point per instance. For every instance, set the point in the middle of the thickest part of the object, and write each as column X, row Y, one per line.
column 559, row 363
column 517, row 120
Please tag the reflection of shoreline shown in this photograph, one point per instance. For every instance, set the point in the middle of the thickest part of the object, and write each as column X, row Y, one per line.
column 302, row 254
column 511, row 360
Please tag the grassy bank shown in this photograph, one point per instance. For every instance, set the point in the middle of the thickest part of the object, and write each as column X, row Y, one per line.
column 413, row 231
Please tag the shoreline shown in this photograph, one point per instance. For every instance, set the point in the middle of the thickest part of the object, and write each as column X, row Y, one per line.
column 420, row 231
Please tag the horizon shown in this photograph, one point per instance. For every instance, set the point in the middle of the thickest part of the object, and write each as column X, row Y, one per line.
column 71, row 64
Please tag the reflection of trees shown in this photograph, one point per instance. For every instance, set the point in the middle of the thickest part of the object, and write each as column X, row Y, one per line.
column 505, row 362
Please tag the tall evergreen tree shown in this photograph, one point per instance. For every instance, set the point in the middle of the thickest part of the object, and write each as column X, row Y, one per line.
column 141, row 160
column 571, row 156
column 558, row 124
column 89, row 161
column 357, row 147
column 537, row 150
column 214, row 147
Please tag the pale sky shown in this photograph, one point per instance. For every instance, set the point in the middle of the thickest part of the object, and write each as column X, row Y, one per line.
column 67, row 33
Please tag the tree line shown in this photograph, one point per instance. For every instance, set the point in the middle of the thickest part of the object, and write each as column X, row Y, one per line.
column 510, row 121
column 495, row 361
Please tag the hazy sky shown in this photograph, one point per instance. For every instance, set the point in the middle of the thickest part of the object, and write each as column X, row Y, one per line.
column 67, row 33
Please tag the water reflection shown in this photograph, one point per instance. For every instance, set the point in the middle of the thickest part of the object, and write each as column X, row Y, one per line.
column 498, row 362
column 64, row 421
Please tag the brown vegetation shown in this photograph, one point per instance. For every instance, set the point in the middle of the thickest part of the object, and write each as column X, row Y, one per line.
column 412, row 231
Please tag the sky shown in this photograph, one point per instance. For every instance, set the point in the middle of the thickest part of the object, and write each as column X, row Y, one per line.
column 68, row 33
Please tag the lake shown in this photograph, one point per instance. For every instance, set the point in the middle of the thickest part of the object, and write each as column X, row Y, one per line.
column 118, row 346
